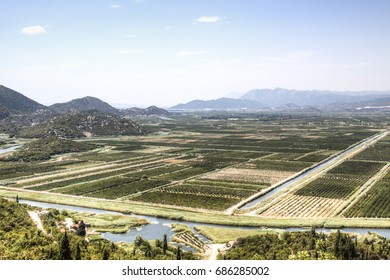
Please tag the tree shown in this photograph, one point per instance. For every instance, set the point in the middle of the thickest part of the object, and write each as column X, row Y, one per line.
column 65, row 253
column 165, row 244
column 81, row 229
column 77, row 253
column 138, row 240
column 106, row 253
column 178, row 255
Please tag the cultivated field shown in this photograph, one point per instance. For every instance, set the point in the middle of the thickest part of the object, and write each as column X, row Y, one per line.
column 212, row 163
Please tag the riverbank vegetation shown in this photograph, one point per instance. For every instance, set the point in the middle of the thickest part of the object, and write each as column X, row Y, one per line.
column 223, row 235
column 309, row 245
column 114, row 223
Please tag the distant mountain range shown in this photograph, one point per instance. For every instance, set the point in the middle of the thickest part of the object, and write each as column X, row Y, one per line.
column 280, row 98
column 13, row 102
column 318, row 98
column 220, row 104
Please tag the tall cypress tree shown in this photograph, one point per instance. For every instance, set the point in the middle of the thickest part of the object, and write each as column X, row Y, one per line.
column 65, row 253
column 77, row 254
column 178, row 255
column 165, row 244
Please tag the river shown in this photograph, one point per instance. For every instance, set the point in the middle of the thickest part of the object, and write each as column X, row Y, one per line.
column 308, row 172
column 10, row 149
column 160, row 226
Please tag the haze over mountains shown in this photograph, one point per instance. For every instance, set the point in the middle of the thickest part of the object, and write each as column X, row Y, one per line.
column 13, row 102
column 288, row 99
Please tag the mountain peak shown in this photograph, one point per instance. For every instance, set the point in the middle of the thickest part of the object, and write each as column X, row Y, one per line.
column 87, row 103
column 13, row 102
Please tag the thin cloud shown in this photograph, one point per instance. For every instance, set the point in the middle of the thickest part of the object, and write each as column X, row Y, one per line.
column 69, row 65
column 131, row 36
column 208, row 19
column 115, row 6
column 33, row 30
column 167, row 28
column 129, row 51
column 189, row 53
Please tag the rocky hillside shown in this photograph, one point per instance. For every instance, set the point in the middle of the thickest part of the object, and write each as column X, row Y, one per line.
column 80, row 125
column 83, row 105
column 13, row 102
column 150, row 111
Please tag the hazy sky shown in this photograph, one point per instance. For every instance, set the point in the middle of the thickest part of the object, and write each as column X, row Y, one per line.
column 164, row 52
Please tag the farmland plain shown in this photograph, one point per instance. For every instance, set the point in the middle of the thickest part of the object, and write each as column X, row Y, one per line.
column 210, row 163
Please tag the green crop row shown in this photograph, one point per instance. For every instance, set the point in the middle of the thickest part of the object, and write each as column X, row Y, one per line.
column 112, row 171
column 357, row 167
column 187, row 200
column 375, row 203
column 126, row 189
column 209, row 191
column 85, row 188
column 227, row 184
column 341, row 185
column 291, row 166
column 379, row 151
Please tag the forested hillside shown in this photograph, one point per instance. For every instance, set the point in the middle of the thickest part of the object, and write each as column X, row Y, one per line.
column 20, row 239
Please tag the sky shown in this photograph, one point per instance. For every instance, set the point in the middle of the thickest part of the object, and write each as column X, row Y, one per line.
column 165, row 52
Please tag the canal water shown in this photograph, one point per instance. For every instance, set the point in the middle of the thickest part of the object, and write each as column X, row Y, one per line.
column 10, row 149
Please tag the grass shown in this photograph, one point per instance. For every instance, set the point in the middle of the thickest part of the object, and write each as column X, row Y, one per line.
column 110, row 222
column 223, row 235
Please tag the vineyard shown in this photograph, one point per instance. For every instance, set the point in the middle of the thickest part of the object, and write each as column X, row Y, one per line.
column 375, row 203
column 341, row 181
column 321, row 197
column 380, row 151
column 303, row 206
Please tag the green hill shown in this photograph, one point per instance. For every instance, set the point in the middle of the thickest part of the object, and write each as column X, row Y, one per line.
column 13, row 102
column 83, row 105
